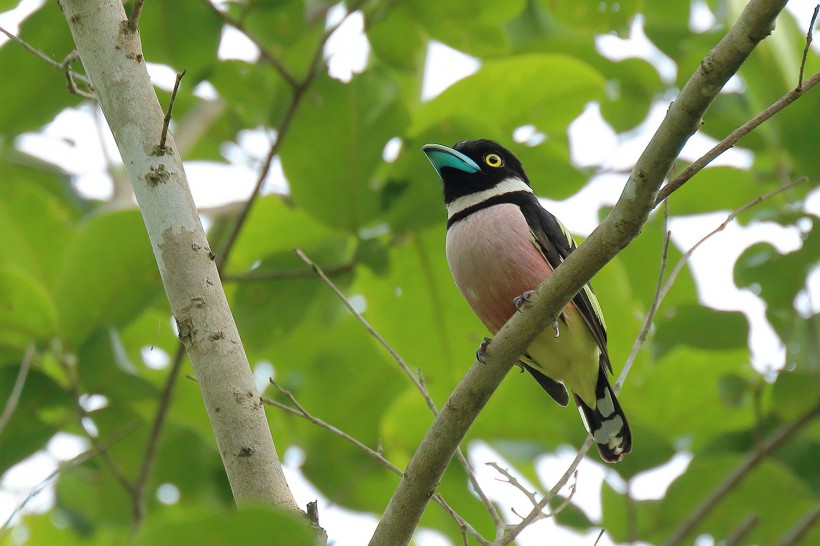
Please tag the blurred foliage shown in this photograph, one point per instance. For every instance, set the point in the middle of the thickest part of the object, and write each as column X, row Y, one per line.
column 78, row 281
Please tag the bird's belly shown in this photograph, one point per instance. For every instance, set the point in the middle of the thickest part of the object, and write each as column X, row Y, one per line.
column 572, row 357
column 493, row 259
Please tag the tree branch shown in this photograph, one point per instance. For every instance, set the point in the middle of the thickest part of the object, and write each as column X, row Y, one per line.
column 623, row 224
column 735, row 136
column 729, row 482
column 113, row 58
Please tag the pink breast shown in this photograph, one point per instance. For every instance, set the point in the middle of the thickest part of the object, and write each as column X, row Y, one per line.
column 493, row 260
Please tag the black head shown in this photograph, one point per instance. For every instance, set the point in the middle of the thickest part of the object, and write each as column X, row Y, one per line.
column 472, row 166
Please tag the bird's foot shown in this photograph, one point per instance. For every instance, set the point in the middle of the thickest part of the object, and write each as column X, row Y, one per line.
column 519, row 301
column 482, row 350
column 520, row 366
column 555, row 327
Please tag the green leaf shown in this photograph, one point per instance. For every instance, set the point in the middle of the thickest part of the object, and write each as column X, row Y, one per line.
column 249, row 526
column 508, row 93
column 36, row 227
column 594, row 16
column 335, row 144
column 794, row 394
column 39, row 90
column 274, row 226
column 473, row 27
column 268, row 309
column 27, row 312
column 108, row 274
column 716, row 188
column 680, row 397
column 752, row 496
column 700, row 327
column 42, row 410
column 396, row 39
column 166, row 28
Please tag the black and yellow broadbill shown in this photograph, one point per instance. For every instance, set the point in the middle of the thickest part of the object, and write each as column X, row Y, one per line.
column 501, row 244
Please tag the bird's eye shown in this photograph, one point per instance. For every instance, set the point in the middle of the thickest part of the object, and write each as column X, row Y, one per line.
column 493, row 160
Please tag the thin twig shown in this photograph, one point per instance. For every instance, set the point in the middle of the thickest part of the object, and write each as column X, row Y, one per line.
column 657, row 298
column 50, row 61
column 169, row 113
column 157, row 427
column 417, row 381
column 299, row 91
column 17, row 389
column 734, row 137
column 600, row 534
column 809, row 38
column 774, row 442
column 266, row 55
column 297, row 409
column 64, row 468
column 69, row 76
column 688, row 254
column 801, row 528
column 134, row 16
column 742, row 530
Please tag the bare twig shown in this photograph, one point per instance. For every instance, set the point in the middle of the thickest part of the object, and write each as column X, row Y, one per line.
column 598, row 539
column 688, row 254
column 169, row 113
column 735, row 136
column 754, row 458
column 17, row 389
column 157, row 427
column 266, row 55
column 72, row 57
column 297, row 409
column 134, row 16
column 418, row 382
column 809, row 37
column 742, row 530
column 531, row 496
column 801, row 528
column 653, row 307
column 62, row 67
column 64, row 468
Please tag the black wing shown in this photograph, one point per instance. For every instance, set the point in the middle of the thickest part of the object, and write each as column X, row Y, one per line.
column 555, row 244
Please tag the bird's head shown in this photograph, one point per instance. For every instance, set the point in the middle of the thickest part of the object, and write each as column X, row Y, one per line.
column 473, row 166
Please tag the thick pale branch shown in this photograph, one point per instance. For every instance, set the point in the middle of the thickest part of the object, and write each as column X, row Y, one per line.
column 624, row 223
column 113, row 59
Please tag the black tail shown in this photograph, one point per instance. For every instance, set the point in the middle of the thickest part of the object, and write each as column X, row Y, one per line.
column 607, row 422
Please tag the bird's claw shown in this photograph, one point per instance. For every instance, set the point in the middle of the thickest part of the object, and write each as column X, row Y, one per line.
column 482, row 350
column 555, row 327
column 519, row 301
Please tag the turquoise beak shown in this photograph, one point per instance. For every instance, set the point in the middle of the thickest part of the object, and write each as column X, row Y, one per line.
column 442, row 156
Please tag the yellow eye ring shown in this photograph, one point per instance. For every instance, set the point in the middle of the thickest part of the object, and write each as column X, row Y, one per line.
column 493, row 160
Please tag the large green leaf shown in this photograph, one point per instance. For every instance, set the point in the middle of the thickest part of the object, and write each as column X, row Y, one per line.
column 700, row 327
column 510, row 93
column 38, row 91
column 108, row 274
column 250, row 526
column 163, row 26
column 27, row 312
column 335, row 144
column 36, row 226
column 680, row 398
column 43, row 409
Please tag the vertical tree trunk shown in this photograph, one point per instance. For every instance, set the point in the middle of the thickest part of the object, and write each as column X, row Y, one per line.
column 112, row 56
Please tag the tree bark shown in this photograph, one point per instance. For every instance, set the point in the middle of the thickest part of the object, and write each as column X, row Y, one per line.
column 112, row 56
column 402, row 515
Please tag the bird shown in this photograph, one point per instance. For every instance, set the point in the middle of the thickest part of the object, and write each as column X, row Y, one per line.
column 500, row 245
